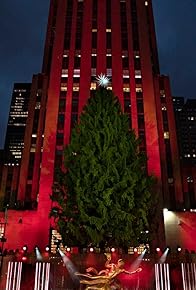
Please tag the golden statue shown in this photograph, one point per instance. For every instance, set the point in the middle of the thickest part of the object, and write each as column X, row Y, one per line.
column 105, row 279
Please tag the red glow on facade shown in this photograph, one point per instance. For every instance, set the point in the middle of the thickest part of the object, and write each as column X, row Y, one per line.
column 56, row 101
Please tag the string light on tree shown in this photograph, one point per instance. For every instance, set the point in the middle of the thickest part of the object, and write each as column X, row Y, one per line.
column 102, row 80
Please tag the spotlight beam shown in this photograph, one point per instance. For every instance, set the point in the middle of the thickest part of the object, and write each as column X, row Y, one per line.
column 138, row 261
column 70, row 266
column 164, row 256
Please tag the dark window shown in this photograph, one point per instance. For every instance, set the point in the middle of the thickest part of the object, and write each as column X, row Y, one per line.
column 74, row 106
column 35, row 121
column 108, row 40
column 125, row 62
column 60, row 124
column 126, row 95
column 59, row 139
column 109, row 61
column 62, row 105
column 68, row 24
column 77, row 61
column 137, row 63
column 74, row 119
column 127, row 106
column 141, row 122
column 94, row 39
column 93, row 61
column 79, row 25
column 108, row 13
column 65, row 62
column 75, row 94
column 94, row 22
column 139, row 95
column 140, row 107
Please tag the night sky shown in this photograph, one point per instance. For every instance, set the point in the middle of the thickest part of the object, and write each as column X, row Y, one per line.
column 23, row 27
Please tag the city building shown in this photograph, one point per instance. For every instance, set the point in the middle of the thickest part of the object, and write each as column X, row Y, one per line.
column 14, row 141
column 14, row 144
column 185, row 114
column 85, row 39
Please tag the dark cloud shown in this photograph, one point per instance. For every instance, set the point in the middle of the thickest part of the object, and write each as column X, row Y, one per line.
column 23, row 26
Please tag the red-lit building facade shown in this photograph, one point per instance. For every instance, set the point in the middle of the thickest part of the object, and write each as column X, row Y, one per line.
column 84, row 39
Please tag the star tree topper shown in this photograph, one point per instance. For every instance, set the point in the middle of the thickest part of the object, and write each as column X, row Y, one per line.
column 102, row 80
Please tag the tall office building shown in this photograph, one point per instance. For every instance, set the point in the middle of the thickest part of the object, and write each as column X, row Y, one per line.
column 85, row 39
column 14, row 141
column 14, row 144
column 185, row 114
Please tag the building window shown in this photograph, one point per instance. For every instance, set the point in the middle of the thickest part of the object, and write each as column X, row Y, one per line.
column 93, row 86
column 141, row 124
column 189, row 179
column 166, row 135
column 74, row 105
column 108, row 14
column 140, row 107
column 127, row 106
column 77, row 61
column 94, row 40
column 94, row 22
column 93, row 61
column 108, row 40
column 109, row 61
column 138, row 74
column 68, row 24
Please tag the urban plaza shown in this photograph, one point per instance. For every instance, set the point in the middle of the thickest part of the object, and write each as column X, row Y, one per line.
column 98, row 171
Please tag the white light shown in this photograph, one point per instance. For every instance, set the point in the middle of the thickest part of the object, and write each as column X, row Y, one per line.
column 24, row 248
column 47, row 249
column 112, row 250
column 102, row 80
column 165, row 209
column 91, row 250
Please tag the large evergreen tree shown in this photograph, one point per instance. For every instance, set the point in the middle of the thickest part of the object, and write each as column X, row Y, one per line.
column 104, row 193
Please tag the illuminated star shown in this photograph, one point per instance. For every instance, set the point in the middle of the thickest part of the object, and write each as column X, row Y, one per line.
column 102, row 80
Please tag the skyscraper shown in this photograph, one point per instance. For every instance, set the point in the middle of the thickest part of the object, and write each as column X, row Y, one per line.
column 85, row 39
column 185, row 114
column 14, row 141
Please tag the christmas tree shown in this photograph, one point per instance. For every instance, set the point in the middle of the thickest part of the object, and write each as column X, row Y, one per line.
column 104, row 193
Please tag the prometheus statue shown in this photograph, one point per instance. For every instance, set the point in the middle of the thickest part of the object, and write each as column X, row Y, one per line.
column 105, row 279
